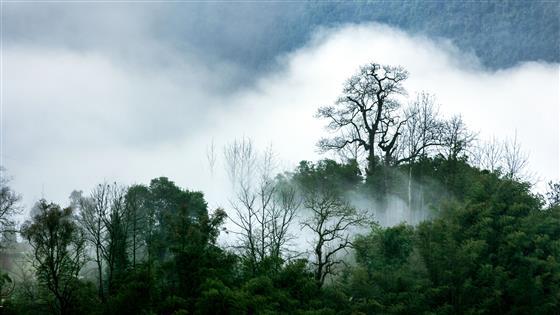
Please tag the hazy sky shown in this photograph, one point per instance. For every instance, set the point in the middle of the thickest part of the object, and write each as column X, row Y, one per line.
column 128, row 92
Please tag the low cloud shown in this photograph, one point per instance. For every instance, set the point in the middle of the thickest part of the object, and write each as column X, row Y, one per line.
column 72, row 119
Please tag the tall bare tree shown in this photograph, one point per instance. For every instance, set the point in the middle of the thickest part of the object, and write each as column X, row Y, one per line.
column 264, row 207
column 116, row 223
column 359, row 114
column 422, row 133
column 104, row 216
column 92, row 211
column 423, row 130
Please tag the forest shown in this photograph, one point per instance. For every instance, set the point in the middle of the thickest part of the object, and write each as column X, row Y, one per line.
column 473, row 235
column 500, row 33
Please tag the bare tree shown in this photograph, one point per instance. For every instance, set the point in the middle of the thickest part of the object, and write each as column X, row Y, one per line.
column 457, row 138
column 358, row 115
column 422, row 133
column 423, row 130
column 330, row 221
column 515, row 160
column 92, row 211
column 104, row 216
column 352, row 151
column 490, row 155
column 116, row 226
column 392, row 126
column 264, row 207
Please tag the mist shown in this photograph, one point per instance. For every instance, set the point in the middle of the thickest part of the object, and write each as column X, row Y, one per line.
column 73, row 118
column 231, row 158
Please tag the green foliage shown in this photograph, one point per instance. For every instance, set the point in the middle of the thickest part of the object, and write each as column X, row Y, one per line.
column 492, row 247
column 328, row 174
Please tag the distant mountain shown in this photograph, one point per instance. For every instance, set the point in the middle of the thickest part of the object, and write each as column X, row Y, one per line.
column 252, row 34
column 500, row 33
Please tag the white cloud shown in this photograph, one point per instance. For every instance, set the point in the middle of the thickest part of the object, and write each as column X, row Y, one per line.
column 73, row 119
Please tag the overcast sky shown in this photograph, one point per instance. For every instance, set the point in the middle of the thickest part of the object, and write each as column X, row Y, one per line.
column 118, row 93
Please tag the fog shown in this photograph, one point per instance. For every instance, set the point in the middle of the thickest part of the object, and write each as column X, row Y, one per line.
column 74, row 117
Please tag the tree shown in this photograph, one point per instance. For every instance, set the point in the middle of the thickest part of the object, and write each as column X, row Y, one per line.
column 265, row 207
column 91, row 214
column 363, row 113
column 553, row 194
column 136, row 202
column 457, row 138
column 58, row 250
column 9, row 203
column 515, row 160
column 490, row 155
column 330, row 219
column 387, row 278
column 116, row 223
column 422, row 133
column 104, row 217
column 423, row 130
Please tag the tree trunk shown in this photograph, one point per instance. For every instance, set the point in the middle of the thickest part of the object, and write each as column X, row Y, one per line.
column 99, row 273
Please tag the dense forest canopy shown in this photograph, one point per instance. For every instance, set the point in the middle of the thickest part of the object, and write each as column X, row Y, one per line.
column 478, row 239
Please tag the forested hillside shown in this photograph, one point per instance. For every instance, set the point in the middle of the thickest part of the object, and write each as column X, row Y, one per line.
column 501, row 34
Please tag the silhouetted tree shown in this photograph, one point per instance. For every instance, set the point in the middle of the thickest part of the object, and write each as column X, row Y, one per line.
column 9, row 203
column 330, row 216
column 363, row 113
column 58, row 249
column 265, row 207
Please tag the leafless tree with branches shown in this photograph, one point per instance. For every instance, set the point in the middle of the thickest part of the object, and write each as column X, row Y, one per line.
column 359, row 114
column 264, row 207
column 330, row 220
column 515, row 160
